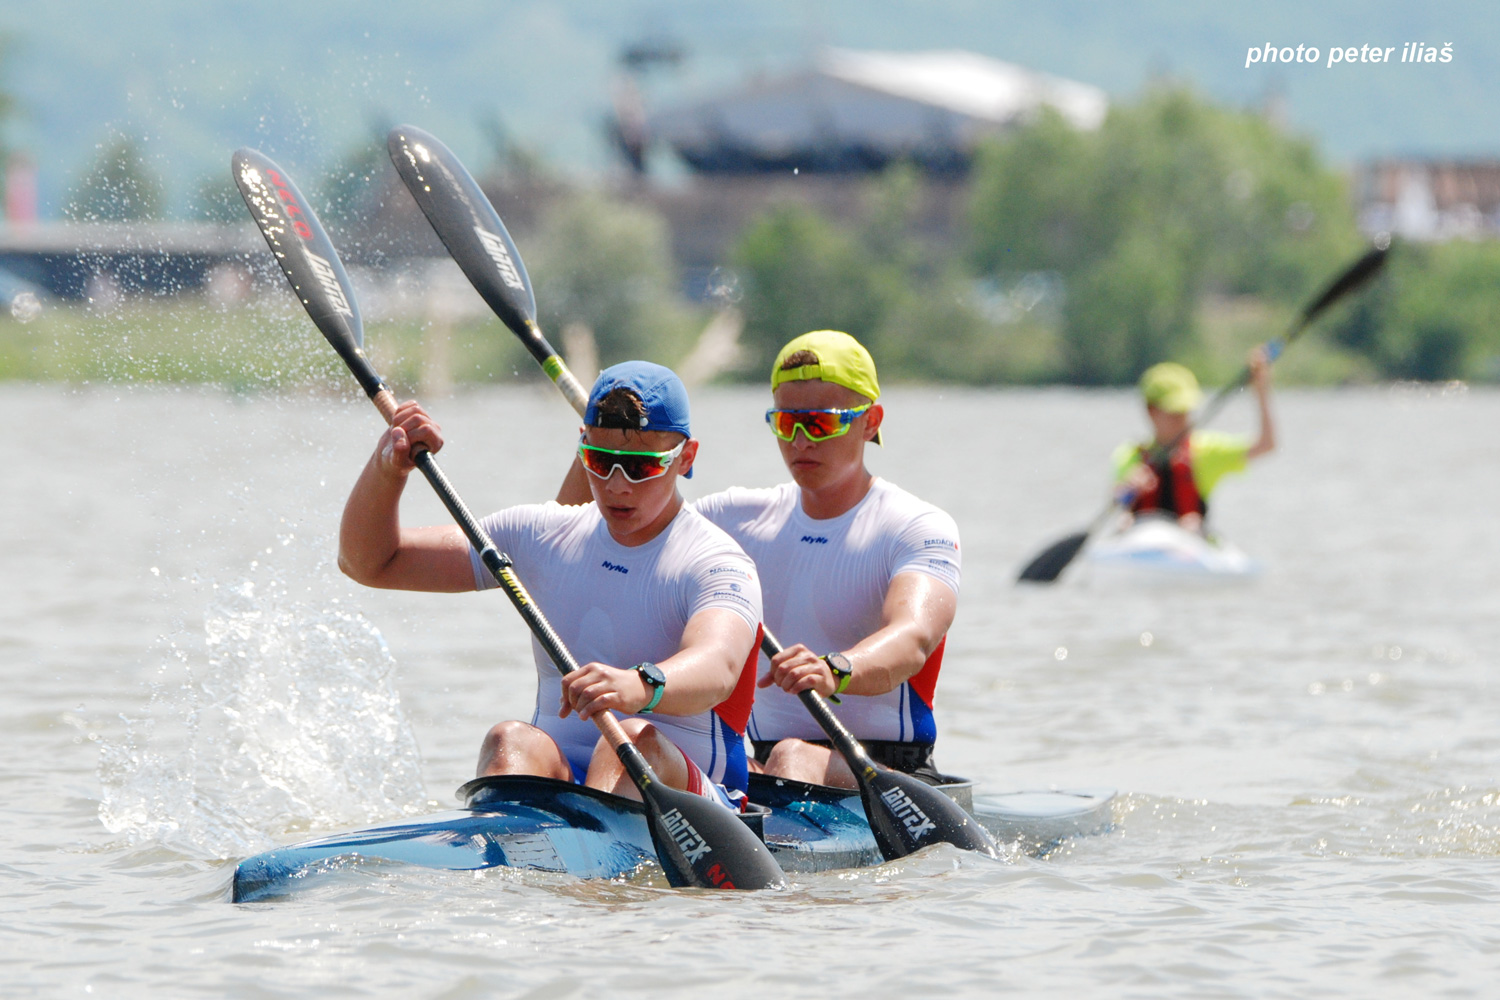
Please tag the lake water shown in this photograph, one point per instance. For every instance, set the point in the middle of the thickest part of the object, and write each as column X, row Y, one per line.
column 1307, row 764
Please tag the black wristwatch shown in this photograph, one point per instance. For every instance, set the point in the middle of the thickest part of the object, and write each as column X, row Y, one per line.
column 656, row 680
column 842, row 670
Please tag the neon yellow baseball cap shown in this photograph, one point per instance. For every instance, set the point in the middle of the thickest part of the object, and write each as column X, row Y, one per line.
column 1171, row 388
column 842, row 360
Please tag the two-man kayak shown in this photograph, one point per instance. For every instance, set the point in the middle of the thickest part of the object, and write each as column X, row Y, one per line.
column 520, row 821
column 1158, row 549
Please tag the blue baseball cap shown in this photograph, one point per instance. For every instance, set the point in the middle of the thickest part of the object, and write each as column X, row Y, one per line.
column 661, row 392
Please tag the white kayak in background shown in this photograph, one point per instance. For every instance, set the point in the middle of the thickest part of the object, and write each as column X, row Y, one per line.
column 1158, row 549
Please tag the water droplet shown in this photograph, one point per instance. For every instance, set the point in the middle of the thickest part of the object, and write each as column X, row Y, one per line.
column 723, row 287
column 1060, row 653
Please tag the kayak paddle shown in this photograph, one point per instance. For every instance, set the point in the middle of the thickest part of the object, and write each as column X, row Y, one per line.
column 699, row 843
column 906, row 814
column 477, row 240
column 1051, row 561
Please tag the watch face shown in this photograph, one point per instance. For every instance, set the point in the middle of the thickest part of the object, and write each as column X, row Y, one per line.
column 839, row 662
column 652, row 674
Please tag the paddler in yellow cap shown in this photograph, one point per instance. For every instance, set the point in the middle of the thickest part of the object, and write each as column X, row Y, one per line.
column 859, row 577
column 1174, row 473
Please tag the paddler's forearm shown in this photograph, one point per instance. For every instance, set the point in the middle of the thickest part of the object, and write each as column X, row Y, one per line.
column 917, row 613
column 885, row 660
column 1267, row 439
column 376, row 551
column 370, row 530
column 703, row 673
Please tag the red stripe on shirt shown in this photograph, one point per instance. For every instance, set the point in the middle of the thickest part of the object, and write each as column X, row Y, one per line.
column 735, row 710
column 925, row 681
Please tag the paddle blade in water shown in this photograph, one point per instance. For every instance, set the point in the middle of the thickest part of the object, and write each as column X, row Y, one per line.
column 1050, row 563
column 907, row 814
column 701, row 843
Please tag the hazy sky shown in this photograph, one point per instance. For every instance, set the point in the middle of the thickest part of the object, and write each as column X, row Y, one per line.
column 307, row 81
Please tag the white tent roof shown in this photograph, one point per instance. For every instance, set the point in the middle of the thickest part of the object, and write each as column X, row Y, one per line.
column 969, row 84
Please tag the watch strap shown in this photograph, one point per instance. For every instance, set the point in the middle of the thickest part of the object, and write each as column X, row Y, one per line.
column 657, row 690
column 841, row 676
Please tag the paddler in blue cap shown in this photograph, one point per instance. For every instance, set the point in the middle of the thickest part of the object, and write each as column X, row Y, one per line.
column 860, row 577
column 1150, row 479
column 660, row 606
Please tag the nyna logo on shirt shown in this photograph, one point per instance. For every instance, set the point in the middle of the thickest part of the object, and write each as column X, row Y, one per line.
column 814, row 539
column 618, row 569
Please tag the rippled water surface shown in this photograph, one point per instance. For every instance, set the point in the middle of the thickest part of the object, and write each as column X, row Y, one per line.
column 1309, row 802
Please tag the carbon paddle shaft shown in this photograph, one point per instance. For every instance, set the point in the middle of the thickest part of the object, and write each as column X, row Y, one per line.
column 699, row 843
column 905, row 813
column 477, row 240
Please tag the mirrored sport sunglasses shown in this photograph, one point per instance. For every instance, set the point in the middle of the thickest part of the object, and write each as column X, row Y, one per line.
column 638, row 466
column 818, row 425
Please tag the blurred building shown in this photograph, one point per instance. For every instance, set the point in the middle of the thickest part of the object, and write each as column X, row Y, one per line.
column 816, row 135
column 861, row 112
column 1430, row 200
column 71, row 260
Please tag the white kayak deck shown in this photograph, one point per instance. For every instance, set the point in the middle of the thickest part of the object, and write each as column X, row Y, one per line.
column 1157, row 549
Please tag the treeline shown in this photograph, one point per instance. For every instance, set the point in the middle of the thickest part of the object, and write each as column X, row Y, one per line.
column 1180, row 230
column 1091, row 255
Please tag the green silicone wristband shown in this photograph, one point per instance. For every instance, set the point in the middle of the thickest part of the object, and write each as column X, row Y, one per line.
column 655, row 700
column 657, row 691
column 842, row 676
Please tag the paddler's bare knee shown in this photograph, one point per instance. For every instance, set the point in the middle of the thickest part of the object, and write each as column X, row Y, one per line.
column 803, row 761
column 520, row 748
column 606, row 771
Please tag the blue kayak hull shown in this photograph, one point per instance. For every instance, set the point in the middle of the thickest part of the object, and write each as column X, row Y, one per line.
column 519, row 821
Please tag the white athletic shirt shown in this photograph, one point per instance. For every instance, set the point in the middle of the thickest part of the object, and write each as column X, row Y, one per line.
column 626, row 605
column 823, row 583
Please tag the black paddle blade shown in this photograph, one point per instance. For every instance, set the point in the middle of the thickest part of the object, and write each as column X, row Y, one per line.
column 467, row 224
column 701, row 843
column 907, row 814
column 306, row 256
column 477, row 240
column 1050, row 563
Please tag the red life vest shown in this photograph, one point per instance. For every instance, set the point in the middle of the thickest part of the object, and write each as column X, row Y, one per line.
column 1174, row 491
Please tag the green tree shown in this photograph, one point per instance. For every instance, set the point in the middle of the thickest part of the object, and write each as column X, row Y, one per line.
column 1171, row 198
column 803, row 272
column 118, row 186
column 609, row 266
column 1433, row 315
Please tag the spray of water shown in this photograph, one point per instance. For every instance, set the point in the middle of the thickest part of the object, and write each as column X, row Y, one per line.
column 286, row 719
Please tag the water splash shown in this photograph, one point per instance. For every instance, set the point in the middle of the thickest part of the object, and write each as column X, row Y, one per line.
column 287, row 720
